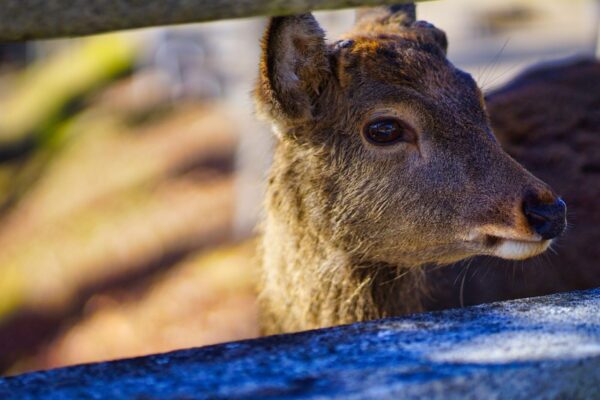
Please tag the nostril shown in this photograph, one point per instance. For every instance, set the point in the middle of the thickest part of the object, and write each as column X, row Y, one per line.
column 547, row 220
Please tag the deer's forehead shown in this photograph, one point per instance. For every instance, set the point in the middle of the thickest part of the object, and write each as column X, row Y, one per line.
column 421, row 83
column 379, row 70
column 392, row 59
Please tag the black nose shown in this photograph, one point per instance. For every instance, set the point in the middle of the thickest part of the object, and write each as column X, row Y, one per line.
column 547, row 220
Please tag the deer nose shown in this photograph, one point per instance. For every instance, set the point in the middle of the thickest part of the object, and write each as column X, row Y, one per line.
column 547, row 220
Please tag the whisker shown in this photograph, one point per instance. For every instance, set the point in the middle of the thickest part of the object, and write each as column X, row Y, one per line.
column 489, row 68
column 491, row 83
column 462, row 270
column 523, row 273
column 490, row 267
column 461, row 291
column 514, row 272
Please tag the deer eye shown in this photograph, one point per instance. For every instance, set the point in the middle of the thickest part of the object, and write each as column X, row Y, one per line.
column 386, row 132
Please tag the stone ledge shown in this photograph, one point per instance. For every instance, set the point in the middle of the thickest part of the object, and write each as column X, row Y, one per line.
column 545, row 347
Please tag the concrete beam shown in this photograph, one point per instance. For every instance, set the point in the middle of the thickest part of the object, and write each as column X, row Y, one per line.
column 545, row 347
column 42, row 19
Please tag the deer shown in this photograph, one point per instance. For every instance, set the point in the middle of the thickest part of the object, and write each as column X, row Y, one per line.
column 384, row 163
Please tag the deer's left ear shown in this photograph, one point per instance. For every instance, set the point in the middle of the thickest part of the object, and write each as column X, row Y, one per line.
column 436, row 35
column 294, row 67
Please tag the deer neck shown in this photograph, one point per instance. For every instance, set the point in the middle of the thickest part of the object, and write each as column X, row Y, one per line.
column 308, row 282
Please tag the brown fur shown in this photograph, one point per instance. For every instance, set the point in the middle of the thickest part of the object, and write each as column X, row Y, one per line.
column 548, row 118
column 349, row 224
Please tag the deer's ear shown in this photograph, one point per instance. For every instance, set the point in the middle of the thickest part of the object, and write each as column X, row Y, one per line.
column 294, row 67
column 435, row 35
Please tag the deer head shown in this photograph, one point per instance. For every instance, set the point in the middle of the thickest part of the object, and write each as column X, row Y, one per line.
column 385, row 149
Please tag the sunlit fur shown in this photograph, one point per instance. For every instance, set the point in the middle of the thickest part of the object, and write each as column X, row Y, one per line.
column 348, row 224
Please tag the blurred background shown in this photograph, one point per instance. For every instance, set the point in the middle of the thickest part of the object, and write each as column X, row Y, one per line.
column 132, row 171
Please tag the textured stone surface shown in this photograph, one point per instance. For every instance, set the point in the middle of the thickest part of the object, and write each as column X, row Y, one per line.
column 545, row 347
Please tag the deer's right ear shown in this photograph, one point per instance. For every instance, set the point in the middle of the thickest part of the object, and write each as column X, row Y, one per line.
column 294, row 67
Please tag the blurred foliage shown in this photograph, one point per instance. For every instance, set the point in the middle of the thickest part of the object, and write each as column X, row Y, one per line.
column 35, row 113
column 47, row 87
column 101, row 201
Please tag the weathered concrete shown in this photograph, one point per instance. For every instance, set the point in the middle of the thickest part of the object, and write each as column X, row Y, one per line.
column 546, row 347
column 41, row 19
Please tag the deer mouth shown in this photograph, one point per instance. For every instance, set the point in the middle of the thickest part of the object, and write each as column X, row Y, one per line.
column 515, row 249
column 507, row 244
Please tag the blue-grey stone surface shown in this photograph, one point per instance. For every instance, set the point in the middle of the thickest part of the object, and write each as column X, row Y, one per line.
column 545, row 347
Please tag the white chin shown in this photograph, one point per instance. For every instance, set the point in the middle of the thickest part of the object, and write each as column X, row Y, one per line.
column 519, row 249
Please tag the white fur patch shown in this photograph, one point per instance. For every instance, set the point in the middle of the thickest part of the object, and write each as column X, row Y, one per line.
column 520, row 250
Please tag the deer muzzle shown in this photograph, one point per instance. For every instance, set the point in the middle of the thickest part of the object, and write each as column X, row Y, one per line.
column 547, row 220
